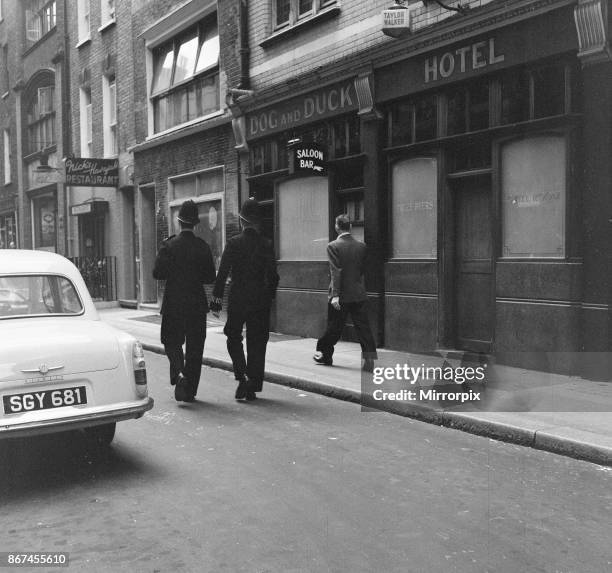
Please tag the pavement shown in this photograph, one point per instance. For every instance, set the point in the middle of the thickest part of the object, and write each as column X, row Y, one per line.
column 567, row 415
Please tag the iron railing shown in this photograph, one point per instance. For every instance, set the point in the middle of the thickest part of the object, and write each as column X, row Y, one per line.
column 100, row 276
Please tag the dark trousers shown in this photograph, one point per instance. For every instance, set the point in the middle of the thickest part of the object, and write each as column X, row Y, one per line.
column 257, row 334
column 335, row 323
column 190, row 331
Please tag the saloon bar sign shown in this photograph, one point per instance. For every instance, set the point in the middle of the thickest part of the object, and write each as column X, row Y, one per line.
column 90, row 172
column 314, row 106
column 308, row 157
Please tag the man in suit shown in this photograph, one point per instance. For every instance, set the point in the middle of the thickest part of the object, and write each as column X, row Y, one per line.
column 185, row 262
column 249, row 257
column 347, row 295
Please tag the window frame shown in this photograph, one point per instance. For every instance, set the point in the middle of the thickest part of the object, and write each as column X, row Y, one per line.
column 6, row 142
column 44, row 17
column 86, row 126
column 40, row 120
column 108, row 13
column 84, row 20
column 109, row 111
column 294, row 16
column 6, row 80
column 168, row 97
column 568, row 201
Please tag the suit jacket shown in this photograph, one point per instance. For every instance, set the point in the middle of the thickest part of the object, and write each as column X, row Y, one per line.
column 250, row 259
column 346, row 264
column 185, row 262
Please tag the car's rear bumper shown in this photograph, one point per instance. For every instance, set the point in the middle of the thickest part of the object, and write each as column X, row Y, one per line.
column 40, row 427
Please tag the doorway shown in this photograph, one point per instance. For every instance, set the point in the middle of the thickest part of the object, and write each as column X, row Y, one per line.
column 91, row 235
column 148, row 246
column 474, row 265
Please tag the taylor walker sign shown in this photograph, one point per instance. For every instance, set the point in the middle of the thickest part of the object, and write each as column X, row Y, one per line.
column 90, row 172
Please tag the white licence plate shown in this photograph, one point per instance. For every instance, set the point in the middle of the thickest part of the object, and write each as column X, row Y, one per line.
column 44, row 399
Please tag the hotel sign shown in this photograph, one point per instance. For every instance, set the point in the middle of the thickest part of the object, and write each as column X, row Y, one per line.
column 92, row 172
column 313, row 106
column 507, row 47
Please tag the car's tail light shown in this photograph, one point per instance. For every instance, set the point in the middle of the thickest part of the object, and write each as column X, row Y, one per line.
column 140, row 370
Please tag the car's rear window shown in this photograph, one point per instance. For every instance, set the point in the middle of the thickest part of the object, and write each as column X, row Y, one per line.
column 36, row 295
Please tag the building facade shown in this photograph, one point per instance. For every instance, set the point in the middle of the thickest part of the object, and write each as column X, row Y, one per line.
column 102, row 235
column 470, row 149
column 186, row 59
column 9, row 235
column 471, row 154
column 35, row 124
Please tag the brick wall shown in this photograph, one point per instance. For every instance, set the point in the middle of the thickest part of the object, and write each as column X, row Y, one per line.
column 209, row 146
column 352, row 34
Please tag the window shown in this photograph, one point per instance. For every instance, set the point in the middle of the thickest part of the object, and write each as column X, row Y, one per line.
column 107, row 11
column 84, row 21
column 413, row 121
column 44, row 215
column 185, row 82
column 414, row 195
column 548, row 91
column 538, row 93
column 515, row 97
column 41, row 119
column 7, row 156
column 352, row 205
column 30, row 295
column 109, row 95
column 290, row 12
column 533, row 183
column 40, row 19
column 5, row 87
column 207, row 190
column 86, row 123
column 8, row 231
column 303, row 215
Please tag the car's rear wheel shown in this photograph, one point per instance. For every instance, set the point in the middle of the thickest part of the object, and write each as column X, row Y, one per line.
column 101, row 436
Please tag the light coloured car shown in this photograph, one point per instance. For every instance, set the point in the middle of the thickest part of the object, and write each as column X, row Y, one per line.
column 61, row 367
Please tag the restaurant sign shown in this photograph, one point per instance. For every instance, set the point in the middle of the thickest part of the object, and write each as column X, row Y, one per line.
column 92, row 172
column 314, row 106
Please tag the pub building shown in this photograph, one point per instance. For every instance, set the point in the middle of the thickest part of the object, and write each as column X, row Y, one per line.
column 476, row 167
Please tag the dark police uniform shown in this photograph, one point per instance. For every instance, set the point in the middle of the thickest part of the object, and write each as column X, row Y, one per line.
column 185, row 262
column 250, row 259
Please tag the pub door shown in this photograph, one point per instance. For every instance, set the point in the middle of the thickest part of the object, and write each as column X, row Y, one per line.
column 474, row 266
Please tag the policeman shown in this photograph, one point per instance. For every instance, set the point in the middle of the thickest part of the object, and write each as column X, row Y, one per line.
column 185, row 262
column 249, row 257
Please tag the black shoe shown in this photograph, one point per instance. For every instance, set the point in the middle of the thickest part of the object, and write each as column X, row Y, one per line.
column 181, row 392
column 242, row 390
column 368, row 365
column 256, row 386
column 250, row 395
column 320, row 358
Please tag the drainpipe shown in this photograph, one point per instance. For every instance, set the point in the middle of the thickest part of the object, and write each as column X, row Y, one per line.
column 243, row 50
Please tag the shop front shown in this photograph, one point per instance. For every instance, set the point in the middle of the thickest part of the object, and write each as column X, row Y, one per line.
column 308, row 163
column 487, row 197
